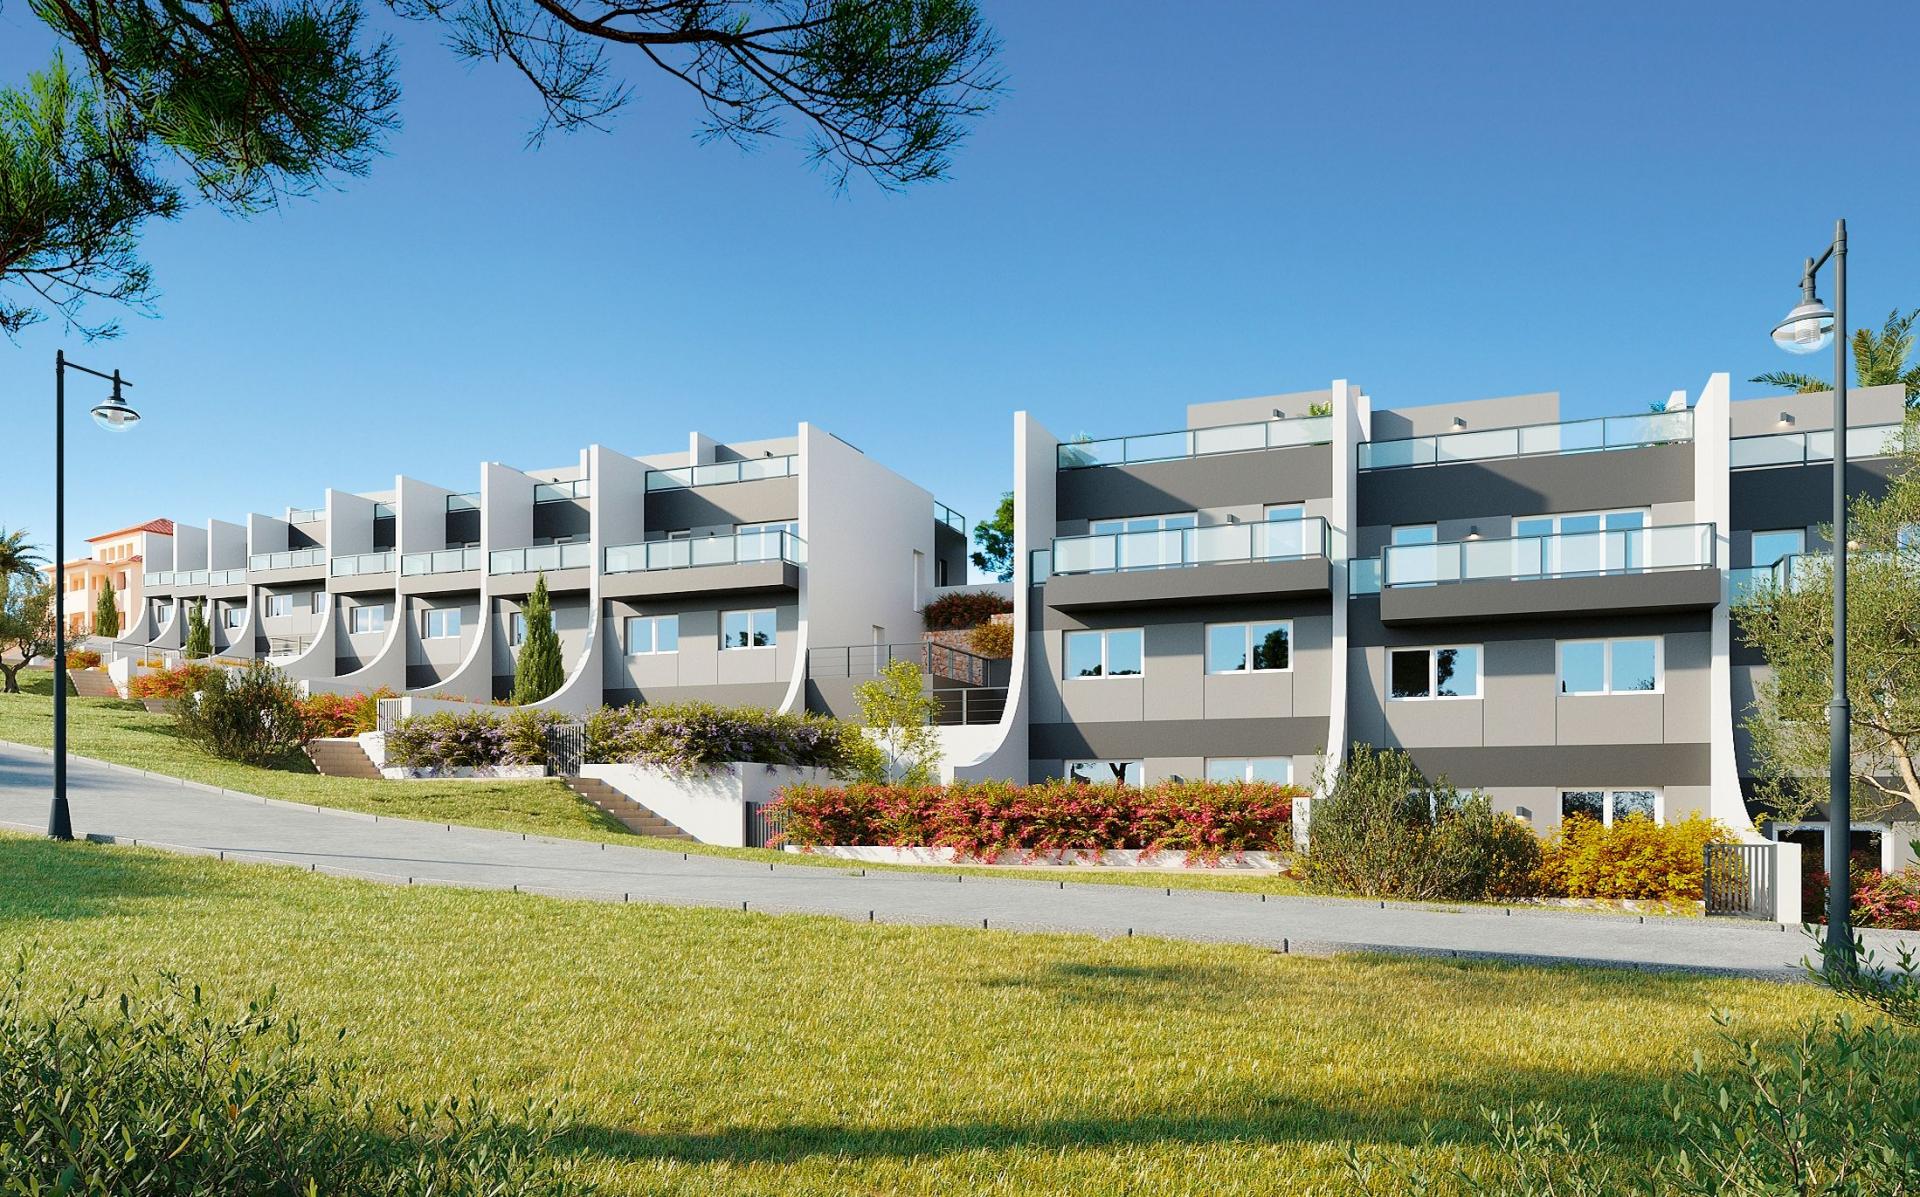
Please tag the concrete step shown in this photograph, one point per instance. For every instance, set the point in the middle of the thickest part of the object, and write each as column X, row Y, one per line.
column 637, row 818
column 341, row 758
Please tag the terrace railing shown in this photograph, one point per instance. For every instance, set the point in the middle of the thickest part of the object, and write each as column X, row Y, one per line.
column 576, row 554
column 353, row 565
column 1803, row 448
column 467, row 502
column 943, row 514
column 306, row 515
column 740, row 548
column 1562, row 555
column 1170, row 548
column 559, row 492
column 871, row 660
column 442, row 561
column 291, row 559
column 721, row 473
column 1573, row 436
column 1196, row 442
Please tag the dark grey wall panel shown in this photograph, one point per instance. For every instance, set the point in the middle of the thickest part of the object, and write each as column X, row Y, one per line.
column 383, row 533
column 1177, row 737
column 1218, row 610
column 1221, row 480
column 1366, row 631
column 756, row 694
column 1568, row 765
column 565, row 517
column 463, row 527
column 1456, row 602
column 1201, row 583
column 762, row 501
column 1525, row 485
column 1798, row 496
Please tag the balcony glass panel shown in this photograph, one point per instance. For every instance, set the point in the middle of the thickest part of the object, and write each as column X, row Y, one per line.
column 445, row 561
column 1112, row 552
column 574, row 555
column 226, row 577
column 383, row 511
column 723, row 472
column 466, row 502
column 1363, row 575
column 1563, row 555
column 356, row 564
column 1196, row 442
column 1573, row 436
column 557, row 492
column 1800, row 448
column 293, row 559
column 158, row 577
column 756, row 545
column 946, row 515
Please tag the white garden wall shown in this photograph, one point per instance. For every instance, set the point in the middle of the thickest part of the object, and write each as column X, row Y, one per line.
column 712, row 807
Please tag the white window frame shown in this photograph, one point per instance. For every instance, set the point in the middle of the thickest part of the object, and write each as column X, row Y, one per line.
column 1280, row 513
column 1172, row 521
column 1246, row 766
column 1206, row 648
column 1606, row 800
column 1559, row 518
column 1433, row 673
column 1757, row 533
column 279, row 606
column 1129, row 765
column 653, row 648
column 439, row 615
column 377, row 616
column 1066, row 656
column 319, row 602
column 753, row 627
column 1606, row 666
column 516, row 629
column 234, row 619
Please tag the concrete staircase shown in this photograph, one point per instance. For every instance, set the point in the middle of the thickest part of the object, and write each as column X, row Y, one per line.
column 92, row 683
column 639, row 819
column 341, row 758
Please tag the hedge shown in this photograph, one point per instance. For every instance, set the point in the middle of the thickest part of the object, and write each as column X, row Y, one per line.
column 470, row 739
column 1634, row 858
column 985, row 820
column 699, row 737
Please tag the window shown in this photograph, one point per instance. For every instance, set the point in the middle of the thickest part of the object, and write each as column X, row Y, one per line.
column 279, row 606
column 517, row 630
column 1250, row 647
column 747, row 629
column 236, row 617
column 367, row 619
column 1583, row 549
column 1610, row 666
column 162, row 612
column 319, row 602
column 1581, row 521
column 1452, row 672
column 1416, row 534
column 1286, row 511
column 1277, row 769
column 1118, row 653
column 1145, row 523
column 1609, row 806
column 1770, row 547
column 649, row 634
column 1106, row 773
column 441, row 624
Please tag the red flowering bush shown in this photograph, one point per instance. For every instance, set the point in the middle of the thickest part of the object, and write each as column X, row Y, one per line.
column 326, row 715
column 169, row 683
column 985, row 820
column 964, row 609
column 1890, row 901
column 82, row 658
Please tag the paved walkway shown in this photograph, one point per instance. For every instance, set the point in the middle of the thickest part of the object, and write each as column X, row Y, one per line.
column 128, row 805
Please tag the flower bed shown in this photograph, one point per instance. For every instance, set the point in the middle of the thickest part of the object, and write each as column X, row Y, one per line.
column 964, row 609
column 986, row 820
column 700, row 737
column 168, row 684
column 473, row 740
column 339, row 716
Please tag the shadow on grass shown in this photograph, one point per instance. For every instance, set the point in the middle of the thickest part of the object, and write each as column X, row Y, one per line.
column 45, row 881
column 1187, row 985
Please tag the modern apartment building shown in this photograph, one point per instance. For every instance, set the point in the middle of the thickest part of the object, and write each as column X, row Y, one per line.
column 121, row 558
column 1533, row 607
column 718, row 572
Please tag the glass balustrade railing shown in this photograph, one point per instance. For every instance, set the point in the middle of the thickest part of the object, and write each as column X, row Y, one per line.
column 189, row 577
column 1196, row 442
column 383, row 511
column 1802, row 448
column 1170, row 548
column 467, row 502
column 306, row 515
column 1573, row 436
column 1039, row 565
column 740, row 548
column 226, row 577
column 556, row 492
column 157, row 577
column 443, row 561
column 291, row 559
column 1562, row 555
column 722, row 472
column 1363, row 575
column 355, row 564
column 573, row 555
column 944, row 514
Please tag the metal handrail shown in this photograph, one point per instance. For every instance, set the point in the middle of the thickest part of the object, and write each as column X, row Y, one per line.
column 575, row 554
column 1531, row 440
column 560, row 492
column 750, row 469
column 306, row 515
column 290, row 559
column 871, row 660
column 1195, row 442
column 1558, row 555
column 288, row 646
column 969, row 706
column 442, row 561
column 688, row 553
column 943, row 514
column 355, row 564
column 1805, row 448
column 1171, row 548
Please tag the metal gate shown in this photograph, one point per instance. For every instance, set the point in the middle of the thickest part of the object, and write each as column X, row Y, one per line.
column 566, row 748
column 764, row 823
column 1741, row 880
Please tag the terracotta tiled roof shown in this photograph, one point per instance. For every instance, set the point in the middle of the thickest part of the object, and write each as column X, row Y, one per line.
column 164, row 527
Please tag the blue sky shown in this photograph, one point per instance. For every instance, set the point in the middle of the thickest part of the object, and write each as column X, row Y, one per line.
column 1173, row 204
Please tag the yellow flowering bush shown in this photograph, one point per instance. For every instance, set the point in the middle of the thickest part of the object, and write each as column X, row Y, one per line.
column 1634, row 858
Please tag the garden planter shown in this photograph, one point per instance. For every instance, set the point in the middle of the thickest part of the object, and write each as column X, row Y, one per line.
column 1123, row 858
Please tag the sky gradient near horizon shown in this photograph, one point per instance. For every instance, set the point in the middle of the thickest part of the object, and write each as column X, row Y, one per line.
column 1435, row 203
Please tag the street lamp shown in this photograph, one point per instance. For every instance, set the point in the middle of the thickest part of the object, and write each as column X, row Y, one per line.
column 115, row 415
column 1809, row 328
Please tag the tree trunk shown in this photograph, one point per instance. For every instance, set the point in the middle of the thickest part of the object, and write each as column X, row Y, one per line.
column 12, row 685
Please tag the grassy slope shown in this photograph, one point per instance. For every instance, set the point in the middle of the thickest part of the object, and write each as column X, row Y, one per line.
column 715, row 1053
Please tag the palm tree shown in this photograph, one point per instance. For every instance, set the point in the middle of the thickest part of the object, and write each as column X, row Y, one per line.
column 18, row 559
column 1878, row 358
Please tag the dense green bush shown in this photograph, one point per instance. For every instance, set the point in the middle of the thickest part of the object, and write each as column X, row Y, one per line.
column 251, row 715
column 964, row 609
column 1386, row 830
column 152, row 1093
column 698, row 737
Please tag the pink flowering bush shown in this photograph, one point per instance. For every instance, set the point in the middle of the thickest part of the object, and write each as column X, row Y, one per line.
column 986, row 820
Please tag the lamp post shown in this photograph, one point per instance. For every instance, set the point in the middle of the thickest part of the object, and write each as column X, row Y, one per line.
column 1809, row 328
column 116, row 416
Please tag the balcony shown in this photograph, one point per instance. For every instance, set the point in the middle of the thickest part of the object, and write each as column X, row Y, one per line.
column 226, row 577
column 560, row 492
column 1196, row 442
column 306, row 515
column 943, row 514
column 1628, row 570
column 724, row 472
column 1806, row 448
column 446, row 561
column 1532, row 440
column 1179, row 565
column 542, row 558
column 383, row 511
column 354, row 565
column 763, row 559
column 467, row 502
column 156, row 577
column 292, row 559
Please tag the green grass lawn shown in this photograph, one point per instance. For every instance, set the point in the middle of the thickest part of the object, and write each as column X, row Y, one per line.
column 714, row 1053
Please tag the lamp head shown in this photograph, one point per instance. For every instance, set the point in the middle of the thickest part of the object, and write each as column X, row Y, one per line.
column 116, row 414
column 1808, row 328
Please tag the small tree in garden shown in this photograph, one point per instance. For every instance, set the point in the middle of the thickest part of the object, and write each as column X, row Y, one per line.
column 900, row 713
column 249, row 715
column 106, row 616
column 537, row 673
column 199, row 635
column 26, row 627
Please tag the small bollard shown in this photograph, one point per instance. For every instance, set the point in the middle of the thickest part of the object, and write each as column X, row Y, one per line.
column 983, row 924
column 1285, row 946
column 743, row 907
column 869, row 916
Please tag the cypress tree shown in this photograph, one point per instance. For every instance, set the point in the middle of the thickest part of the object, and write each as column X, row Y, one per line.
column 106, row 616
column 199, row 636
column 538, row 673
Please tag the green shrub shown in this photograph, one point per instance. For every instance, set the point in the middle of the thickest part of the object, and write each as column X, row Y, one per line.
column 1388, row 831
column 537, row 671
column 152, row 1094
column 250, row 715
column 199, row 641
column 698, row 737
column 964, row 609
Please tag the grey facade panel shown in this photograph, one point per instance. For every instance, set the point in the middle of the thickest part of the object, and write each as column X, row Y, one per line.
column 1627, row 594
column 1214, row 610
column 1364, row 630
column 739, row 578
column 762, row 501
column 452, row 582
column 1526, row 485
column 1236, row 581
column 561, row 518
column 558, row 580
column 463, row 528
column 1798, row 496
column 1178, row 737
column 1568, row 765
column 1152, row 488
column 749, row 694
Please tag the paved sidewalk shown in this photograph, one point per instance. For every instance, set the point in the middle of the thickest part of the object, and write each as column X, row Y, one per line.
column 129, row 805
